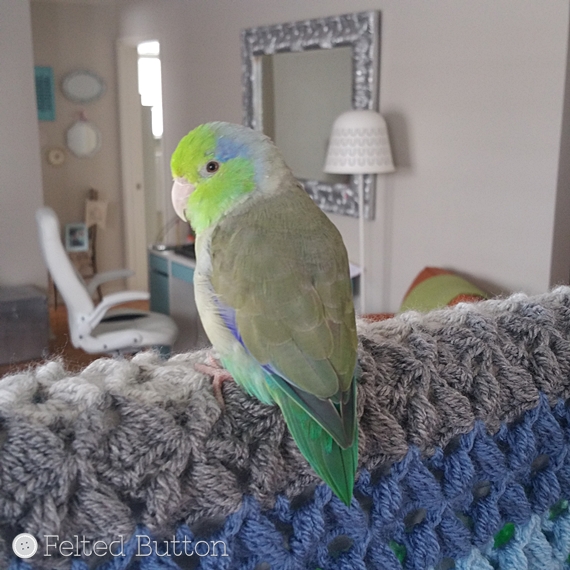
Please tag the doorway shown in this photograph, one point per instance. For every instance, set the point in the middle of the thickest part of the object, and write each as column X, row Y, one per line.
column 142, row 158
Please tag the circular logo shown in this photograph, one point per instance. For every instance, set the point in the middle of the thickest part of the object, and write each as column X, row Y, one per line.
column 25, row 545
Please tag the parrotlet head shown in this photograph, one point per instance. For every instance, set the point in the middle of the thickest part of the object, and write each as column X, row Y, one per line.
column 218, row 165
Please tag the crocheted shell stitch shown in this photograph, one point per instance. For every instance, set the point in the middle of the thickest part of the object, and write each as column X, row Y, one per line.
column 464, row 438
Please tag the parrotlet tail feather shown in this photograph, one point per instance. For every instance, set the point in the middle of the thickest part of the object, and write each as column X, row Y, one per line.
column 334, row 464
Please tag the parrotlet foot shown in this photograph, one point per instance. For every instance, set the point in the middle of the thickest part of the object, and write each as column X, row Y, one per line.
column 219, row 376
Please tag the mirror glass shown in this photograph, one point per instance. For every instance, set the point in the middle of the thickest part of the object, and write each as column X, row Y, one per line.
column 304, row 92
column 297, row 78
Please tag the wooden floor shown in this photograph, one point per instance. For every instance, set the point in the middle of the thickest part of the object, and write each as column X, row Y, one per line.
column 60, row 344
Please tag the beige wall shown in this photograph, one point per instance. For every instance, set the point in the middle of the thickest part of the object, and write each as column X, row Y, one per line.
column 20, row 174
column 68, row 36
column 474, row 97
column 473, row 93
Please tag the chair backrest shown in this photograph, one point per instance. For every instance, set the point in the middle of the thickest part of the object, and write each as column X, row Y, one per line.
column 68, row 283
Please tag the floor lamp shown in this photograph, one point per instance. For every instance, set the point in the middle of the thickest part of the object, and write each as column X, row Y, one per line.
column 359, row 145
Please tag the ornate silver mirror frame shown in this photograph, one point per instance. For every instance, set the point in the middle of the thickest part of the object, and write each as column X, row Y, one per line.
column 360, row 31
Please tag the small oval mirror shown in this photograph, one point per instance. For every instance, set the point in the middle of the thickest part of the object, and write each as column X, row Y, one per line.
column 82, row 86
column 83, row 139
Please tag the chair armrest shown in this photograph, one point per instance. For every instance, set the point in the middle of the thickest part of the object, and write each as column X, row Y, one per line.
column 113, row 300
column 100, row 278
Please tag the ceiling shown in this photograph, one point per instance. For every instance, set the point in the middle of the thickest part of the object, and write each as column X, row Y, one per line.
column 85, row 2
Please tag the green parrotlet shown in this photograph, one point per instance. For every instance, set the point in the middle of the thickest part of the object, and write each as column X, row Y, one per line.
column 273, row 289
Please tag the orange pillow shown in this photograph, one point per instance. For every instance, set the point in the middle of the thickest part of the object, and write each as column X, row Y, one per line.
column 434, row 288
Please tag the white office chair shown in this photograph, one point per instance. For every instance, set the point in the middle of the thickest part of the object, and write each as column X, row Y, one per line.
column 99, row 328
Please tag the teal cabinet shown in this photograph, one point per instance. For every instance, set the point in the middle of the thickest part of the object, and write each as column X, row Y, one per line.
column 158, row 284
column 171, row 285
column 182, row 272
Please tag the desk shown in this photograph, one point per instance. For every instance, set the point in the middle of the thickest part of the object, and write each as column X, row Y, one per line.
column 171, row 288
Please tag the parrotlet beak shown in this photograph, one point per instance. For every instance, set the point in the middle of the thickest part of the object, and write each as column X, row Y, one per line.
column 181, row 190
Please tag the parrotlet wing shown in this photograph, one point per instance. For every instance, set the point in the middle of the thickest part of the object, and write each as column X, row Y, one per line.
column 281, row 269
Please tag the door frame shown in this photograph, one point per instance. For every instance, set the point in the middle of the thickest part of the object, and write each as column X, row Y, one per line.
column 132, row 164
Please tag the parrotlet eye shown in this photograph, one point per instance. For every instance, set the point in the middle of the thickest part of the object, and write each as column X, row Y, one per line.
column 212, row 166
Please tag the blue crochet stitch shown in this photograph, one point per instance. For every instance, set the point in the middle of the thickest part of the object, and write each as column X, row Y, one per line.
column 465, row 460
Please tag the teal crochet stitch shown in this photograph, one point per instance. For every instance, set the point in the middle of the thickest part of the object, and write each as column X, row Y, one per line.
column 464, row 457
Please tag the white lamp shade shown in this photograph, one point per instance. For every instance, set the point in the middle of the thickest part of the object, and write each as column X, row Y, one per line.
column 359, row 144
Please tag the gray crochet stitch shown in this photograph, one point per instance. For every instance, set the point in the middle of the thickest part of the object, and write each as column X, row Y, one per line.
column 145, row 441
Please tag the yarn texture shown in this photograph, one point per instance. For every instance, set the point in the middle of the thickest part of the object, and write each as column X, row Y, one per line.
column 463, row 456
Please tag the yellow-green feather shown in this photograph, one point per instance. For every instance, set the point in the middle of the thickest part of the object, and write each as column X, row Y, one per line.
column 208, row 203
column 280, row 264
column 335, row 465
column 192, row 151
column 214, row 194
column 282, row 267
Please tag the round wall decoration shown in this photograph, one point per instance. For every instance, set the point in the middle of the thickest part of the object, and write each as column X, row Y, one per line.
column 82, row 86
column 56, row 156
column 83, row 139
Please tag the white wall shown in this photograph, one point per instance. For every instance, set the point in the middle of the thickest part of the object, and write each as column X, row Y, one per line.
column 20, row 174
column 476, row 89
column 561, row 233
column 473, row 93
column 474, row 96
column 69, row 36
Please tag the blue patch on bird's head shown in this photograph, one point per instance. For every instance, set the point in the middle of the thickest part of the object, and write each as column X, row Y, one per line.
column 227, row 148
column 239, row 142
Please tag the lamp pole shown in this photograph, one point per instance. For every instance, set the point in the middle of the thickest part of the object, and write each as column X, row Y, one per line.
column 361, row 244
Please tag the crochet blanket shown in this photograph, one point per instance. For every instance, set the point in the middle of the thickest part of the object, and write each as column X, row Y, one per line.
column 464, row 457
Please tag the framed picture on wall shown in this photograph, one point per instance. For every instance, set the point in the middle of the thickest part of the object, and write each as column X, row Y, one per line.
column 76, row 237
